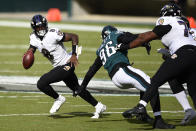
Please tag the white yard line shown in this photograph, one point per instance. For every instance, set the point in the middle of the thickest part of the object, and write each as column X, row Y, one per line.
column 23, row 80
column 47, row 114
column 78, row 27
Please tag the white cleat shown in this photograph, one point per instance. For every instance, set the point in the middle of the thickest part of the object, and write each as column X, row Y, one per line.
column 57, row 104
column 99, row 109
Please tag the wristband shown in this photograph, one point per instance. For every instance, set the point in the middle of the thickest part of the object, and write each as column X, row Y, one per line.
column 74, row 49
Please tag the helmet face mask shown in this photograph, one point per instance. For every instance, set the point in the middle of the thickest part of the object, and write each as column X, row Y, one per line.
column 107, row 30
column 171, row 10
column 39, row 25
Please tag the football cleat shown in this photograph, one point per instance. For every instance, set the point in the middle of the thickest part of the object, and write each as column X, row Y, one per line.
column 189, row 115
column 160, row 124
column 57, row 104
column 136, row 111
column 145, row 118
column 99, row 109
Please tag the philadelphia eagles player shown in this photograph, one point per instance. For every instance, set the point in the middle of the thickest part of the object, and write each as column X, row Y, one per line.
column 122, row 74
column 49, row 42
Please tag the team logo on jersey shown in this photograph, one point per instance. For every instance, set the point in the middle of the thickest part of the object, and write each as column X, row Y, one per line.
column 161, row 21
column 66, row 68
column 174, row 56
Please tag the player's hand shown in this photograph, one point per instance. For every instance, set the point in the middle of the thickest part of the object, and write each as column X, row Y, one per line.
column 122, row 47
column 148, row 47
column 74, row 60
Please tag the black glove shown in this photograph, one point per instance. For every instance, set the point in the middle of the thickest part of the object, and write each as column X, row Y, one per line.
column 165, row 53
column 148, row 47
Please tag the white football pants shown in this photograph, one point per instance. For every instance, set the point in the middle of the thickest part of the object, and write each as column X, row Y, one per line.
column 129, row 77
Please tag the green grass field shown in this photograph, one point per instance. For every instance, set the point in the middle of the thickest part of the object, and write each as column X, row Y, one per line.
column 29, row 112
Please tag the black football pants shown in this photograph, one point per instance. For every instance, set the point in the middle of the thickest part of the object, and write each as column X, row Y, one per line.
column 66, row 74
column 180, row 67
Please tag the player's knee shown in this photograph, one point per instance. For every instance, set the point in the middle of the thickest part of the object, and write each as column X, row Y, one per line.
column 40, row 84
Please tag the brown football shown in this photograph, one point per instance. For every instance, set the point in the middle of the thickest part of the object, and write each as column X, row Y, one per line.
column 28, row 59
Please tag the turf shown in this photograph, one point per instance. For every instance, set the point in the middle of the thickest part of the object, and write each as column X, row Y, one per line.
column 29, row 112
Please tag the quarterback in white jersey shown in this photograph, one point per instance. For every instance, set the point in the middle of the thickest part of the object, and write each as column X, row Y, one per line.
column 49, row 42
column 180, row 66
column 51, row 46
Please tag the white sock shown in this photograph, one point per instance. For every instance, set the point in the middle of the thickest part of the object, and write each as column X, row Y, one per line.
column 143, row 103
column 182, row 99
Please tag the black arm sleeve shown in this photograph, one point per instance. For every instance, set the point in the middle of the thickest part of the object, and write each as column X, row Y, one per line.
column 161, row 30
column 34, row 48
column 126, row 37
column 92, row 71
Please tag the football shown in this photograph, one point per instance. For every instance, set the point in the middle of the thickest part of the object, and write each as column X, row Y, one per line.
column 28, row 59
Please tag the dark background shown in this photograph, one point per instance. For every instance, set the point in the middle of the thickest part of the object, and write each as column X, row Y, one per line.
column 111, row 7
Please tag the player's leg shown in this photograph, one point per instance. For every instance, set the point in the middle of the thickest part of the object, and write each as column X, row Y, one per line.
column 55, row 75
column 131, row 77
column 180, row 95
column 190, row 114
column 72, row 83
column 142, row 81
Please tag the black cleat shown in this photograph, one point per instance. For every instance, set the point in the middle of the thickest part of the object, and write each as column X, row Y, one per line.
column 145, row 118
column 139, row 109
column 160, row 124
column 128, row 113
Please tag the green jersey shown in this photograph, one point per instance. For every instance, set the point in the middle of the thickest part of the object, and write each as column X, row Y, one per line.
column 107, row 53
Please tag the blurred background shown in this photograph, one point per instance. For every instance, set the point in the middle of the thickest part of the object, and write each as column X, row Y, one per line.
column 92, row 9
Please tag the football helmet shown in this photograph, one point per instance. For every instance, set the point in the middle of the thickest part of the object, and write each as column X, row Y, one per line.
column 39, row 25
column 107, row 30
column 171, row 10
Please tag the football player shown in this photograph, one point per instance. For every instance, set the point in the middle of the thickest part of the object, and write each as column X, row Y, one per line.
column 49, row 42
column 122, row 74
column 177, row 87
column 174, row 34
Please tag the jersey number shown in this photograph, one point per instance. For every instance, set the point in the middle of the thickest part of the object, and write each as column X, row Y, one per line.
column 186, row 30
column 47, row 54
column 107, row 52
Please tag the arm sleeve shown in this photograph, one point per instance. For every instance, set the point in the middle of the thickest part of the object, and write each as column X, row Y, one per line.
column 126, row 38
column 161, row 30
column 92, row 71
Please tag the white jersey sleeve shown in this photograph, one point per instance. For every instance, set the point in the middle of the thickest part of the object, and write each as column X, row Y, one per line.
column 163, row 21
column 33, row 40
column 57, row 34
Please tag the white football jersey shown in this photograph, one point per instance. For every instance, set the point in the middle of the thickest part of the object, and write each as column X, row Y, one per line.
column 51, row 47
column 178, row 36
